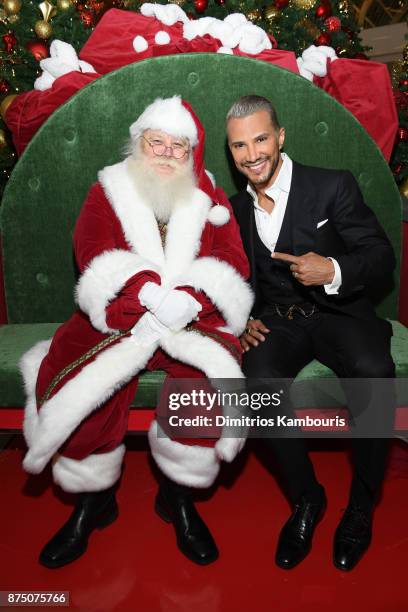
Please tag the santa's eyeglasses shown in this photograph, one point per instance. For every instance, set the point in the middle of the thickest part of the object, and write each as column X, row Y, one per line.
column 159, row 148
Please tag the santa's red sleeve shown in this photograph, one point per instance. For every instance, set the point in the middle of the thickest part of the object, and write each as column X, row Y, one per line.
column 111, row 275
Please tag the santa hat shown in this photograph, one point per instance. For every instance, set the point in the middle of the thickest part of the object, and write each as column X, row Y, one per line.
column 168, row 115
column 176, row 117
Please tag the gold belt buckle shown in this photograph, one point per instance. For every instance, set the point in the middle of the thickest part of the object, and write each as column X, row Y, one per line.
column 289, row 313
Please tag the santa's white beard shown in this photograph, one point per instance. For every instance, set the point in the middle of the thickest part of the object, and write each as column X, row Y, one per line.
column 163, row 193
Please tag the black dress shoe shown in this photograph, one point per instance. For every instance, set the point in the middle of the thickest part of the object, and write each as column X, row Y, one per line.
column 174, row 505
column 352, row 537
column 295, row 540
column 93, row 511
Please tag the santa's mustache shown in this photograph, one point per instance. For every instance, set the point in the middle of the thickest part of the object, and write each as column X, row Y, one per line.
column 166, row 161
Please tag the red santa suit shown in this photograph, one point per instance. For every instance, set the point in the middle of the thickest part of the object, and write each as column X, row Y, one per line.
column 80, row 384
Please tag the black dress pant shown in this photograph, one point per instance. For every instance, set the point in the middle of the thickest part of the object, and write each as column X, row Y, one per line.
column 352, row 348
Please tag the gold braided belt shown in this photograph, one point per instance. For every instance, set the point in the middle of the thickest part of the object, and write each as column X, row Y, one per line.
column 118, row 336
column 82, row 359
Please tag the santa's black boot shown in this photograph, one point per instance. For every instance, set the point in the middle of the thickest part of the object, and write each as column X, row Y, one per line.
column 92, row 511
column 174, row 504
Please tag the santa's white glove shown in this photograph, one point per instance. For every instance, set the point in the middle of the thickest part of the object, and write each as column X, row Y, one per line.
column 171, row 307
column 148, row 330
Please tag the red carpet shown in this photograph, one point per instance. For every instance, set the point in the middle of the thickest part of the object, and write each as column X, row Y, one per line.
column 135, row 565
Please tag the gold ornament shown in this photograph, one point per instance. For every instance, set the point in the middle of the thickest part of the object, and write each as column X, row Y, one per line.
column 13, row 18
column 3, row 139
column 5, row 103
column 178, row 2
column 254, row 15
column 342, row 52
column 304, row 4
column 310, row 27
column 43, row 29
column 343, row 6
column 272, row 13
column 47, row 9
column 12, row 7
column 404, row 188
column 64, row 5
column 3, row 15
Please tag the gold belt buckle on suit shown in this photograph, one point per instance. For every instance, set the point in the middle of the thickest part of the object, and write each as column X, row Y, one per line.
column 293, row 308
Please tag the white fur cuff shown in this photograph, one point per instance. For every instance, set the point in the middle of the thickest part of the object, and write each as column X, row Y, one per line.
column 102, row 281
column 225, row 287
column 94, row 473
column 192, row 466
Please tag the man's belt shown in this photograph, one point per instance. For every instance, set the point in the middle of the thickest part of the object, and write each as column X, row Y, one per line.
column 286, row 311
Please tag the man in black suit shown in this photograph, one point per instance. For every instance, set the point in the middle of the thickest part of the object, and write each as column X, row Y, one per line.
column 315, row 249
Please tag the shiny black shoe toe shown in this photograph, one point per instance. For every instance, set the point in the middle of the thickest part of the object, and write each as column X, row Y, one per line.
column 352, row 538
column 174, row 505
column 295, row 540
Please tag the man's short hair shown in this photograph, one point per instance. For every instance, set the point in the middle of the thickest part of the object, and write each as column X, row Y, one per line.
column 248, row 105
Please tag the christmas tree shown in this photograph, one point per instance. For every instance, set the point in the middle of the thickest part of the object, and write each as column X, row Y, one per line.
column 27, row 28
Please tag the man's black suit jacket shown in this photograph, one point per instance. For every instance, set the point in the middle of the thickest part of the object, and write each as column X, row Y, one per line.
column 351, row 235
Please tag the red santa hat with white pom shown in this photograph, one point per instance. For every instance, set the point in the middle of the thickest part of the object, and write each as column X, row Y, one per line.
column 176, row 117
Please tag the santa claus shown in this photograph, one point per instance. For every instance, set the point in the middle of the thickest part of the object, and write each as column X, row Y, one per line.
column 162, row 286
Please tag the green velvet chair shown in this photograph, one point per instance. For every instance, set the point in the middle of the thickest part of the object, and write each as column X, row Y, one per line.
column 50, row 181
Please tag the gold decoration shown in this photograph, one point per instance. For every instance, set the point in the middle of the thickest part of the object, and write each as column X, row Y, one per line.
column 272, row 13
column 343, row 6
column 178, row 2
column 404, row 188
column 3, row 15
column 3, row 139
column 310, row 27
column 396, row 72
column 13, row 18
column 342, row 52
column 43, row 29
column 304, row 4
column 47, row 9
column 254, row 15
column 64, row 5
column 5, row 103
column 405, row 53
column 12, row 7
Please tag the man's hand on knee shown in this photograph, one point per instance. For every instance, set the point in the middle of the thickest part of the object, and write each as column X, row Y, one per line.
column 253, row 334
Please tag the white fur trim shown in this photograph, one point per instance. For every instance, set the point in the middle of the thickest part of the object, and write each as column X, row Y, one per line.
column 168, row 14
column 102, row 280
column 77, row 399
column 225, row 50
column 219, row 215
column 168, row 115
column 94, row 473
column 140, row 44
column 99, row 380
column 140, row 227
column 202, row 353
column 211, row 177
column 136, row 217
column 193, row 466
column 225, row 287
column 162, row 38
column 29, row 365
column 227, row 449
